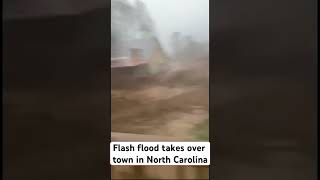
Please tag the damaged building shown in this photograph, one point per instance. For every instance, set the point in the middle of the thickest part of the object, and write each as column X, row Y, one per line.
column 138, row 58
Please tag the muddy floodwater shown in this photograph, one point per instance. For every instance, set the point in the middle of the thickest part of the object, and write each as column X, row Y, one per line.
column 173, row 103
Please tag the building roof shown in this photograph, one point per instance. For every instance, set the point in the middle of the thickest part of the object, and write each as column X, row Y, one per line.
column 127, row 63
column 148, row 45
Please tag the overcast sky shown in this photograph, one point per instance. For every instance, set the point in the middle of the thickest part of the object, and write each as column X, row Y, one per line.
column 190, row 17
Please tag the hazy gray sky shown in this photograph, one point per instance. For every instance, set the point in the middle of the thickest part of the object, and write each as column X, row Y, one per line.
column 190, row 17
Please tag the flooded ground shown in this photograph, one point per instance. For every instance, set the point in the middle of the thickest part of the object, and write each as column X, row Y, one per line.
column 170, row 104
column 173, row 105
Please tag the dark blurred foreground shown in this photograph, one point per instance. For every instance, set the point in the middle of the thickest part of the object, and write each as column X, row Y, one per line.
column 263, row 84
column 56, row 100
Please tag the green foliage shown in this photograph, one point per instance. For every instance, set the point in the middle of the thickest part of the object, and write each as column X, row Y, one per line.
column 201, row 131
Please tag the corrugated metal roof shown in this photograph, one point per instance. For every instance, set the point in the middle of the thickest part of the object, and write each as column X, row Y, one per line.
column 127, row 63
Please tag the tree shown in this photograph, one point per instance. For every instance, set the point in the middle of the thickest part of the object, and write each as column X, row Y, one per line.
column 121, row 19
column 129, row 20
column 144, row 21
